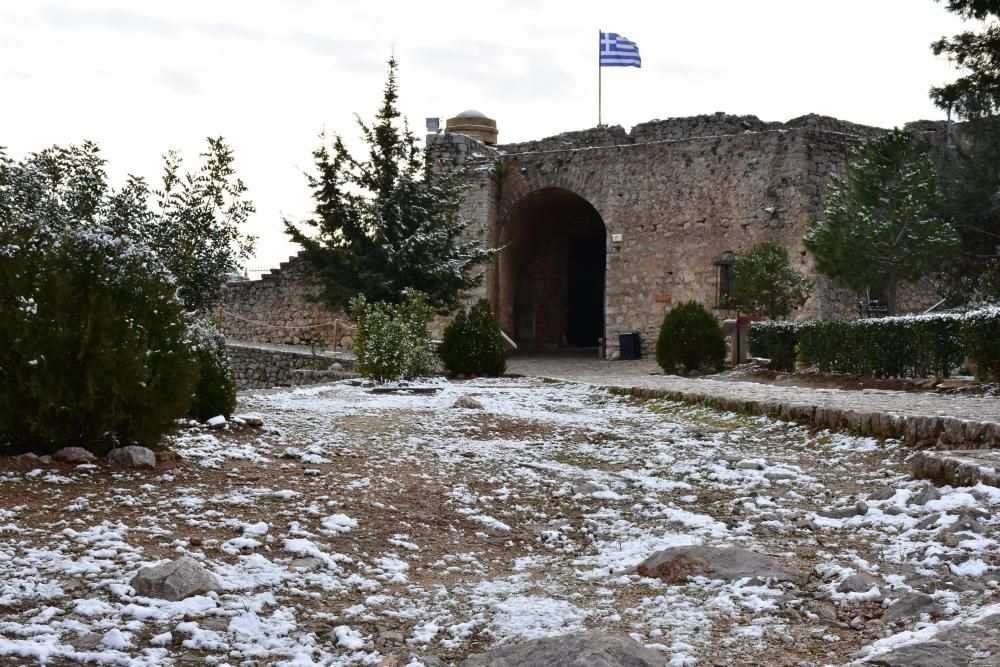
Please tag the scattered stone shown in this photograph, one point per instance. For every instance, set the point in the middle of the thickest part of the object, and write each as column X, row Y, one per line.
column 132, row 457
column 778, row 475
column 175, row 580
column 307, row 564
column 965, row 521
column 911, row 605
column 28, row 460
column 928, row 521
column 749, row 465
column 928, row 493
column 581, row 649
column 862, row 582
column 883, row 493
column 75, row 455
column 215, row 623
column 216, row 422
column 727, row 563
column 196, row 541
column 925, row 654
column 167, row 457
column 45, row 460
column 253, row 422
column 468, row 403
column 858, row 509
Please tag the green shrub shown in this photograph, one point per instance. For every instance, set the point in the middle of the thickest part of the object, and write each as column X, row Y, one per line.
column 774, row 341
column 907, row 346
column 393, row 341
column 215, row 393
column 690, row 337
column 981, row 339
column 94, row 344
column 472, row 344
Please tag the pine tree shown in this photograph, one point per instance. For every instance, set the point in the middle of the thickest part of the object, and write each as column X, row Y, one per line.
column 382, row 226
column 977, row 93
column 883, row 224
column 766, row 283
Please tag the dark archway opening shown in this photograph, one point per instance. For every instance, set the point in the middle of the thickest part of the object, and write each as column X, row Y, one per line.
column 552, row 276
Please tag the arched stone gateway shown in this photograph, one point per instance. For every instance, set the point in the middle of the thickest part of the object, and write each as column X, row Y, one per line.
column 550, row 283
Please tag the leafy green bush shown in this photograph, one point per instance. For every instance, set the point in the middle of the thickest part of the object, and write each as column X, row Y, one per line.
column 907, row 346
column 981, row 338
column 690, row 337
column 215, row 393
column 774, row 341
column 393, row 341
column 473, row 345
column 94, row 344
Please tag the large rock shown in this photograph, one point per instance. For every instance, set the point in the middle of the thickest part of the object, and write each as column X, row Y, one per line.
column 925, row 654
column 581, row 649
column 911, row 605
column 175, row 580
column 75, row 455
column 728, row 563
column 132, row 457
column 468, row 403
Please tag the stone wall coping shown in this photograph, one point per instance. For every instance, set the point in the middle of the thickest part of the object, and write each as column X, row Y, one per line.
column 800, row 131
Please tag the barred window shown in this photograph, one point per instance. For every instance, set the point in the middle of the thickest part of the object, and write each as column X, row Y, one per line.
column 725, row 280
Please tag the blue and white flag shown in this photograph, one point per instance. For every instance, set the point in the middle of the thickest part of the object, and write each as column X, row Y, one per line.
column 616, row 51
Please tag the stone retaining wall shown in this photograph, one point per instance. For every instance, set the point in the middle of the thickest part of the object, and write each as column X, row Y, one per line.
column 277, row 309
column 918, row 431
column 263, row 368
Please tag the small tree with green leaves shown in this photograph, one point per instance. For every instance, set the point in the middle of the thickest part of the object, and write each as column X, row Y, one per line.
column 766, row 283
column 882, row 223
column 382, row 225
column 393, row 341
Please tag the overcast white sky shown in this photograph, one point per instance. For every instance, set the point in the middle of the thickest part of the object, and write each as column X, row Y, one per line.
column 142, row 77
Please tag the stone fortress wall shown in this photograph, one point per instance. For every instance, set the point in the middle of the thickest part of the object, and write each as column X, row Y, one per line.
column 677, row 194
column 673, row 196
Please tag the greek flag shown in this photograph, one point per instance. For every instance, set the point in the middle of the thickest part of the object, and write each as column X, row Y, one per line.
column 616, row 51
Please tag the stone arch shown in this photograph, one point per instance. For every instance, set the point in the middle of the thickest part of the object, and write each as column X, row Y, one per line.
column 550, row 285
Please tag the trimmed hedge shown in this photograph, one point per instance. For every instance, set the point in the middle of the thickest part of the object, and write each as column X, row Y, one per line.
column 775, row 342
column 907, row 346
column 981, row 337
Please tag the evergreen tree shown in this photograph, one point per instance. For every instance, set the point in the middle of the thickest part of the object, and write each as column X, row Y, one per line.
column 766, row 283
column 383, row 225
column 883, row 222
column 977, row 93
column 194, row 230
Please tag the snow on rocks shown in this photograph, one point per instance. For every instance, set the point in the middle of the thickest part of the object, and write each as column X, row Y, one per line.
column 176, row 580
column 363, row 528
column 726, row 563
column 582, row 649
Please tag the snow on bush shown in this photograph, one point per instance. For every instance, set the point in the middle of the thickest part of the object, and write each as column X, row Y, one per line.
column 94, row 343
column 904, row 346
column 215, row 393
column 393, row 341
column 472, row 344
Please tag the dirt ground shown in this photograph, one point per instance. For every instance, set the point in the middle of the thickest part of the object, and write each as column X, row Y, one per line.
column 397, row 529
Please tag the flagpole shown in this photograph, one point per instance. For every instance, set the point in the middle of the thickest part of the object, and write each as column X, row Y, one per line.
column 598, row 77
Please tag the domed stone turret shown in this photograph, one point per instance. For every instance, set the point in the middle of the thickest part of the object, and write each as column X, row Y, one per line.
column 474, row 124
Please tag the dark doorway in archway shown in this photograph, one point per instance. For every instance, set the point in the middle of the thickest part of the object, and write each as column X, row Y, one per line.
column 552, row 272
